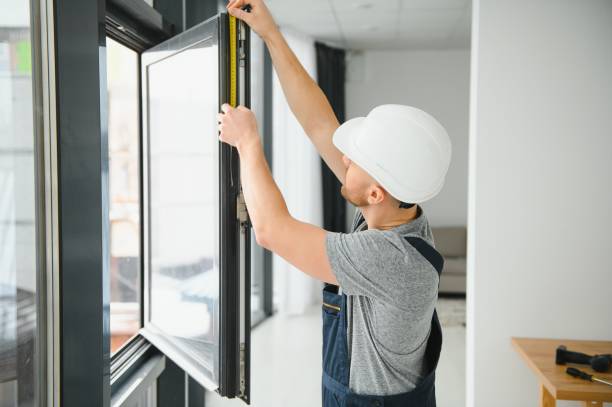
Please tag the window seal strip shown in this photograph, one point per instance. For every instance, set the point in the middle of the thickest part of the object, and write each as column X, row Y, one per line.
column 138, row 379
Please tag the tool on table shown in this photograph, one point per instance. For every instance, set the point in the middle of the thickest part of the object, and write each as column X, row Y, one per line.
column 572, row 371
column 599, row 363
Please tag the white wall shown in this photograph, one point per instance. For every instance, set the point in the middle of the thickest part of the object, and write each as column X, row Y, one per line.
column 540, row 194
column 435, row 81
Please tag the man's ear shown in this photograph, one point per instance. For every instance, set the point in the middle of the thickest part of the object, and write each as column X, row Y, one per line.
column 376, row 195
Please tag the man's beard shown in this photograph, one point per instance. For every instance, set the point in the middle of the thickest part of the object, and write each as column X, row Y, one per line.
column 355, row 199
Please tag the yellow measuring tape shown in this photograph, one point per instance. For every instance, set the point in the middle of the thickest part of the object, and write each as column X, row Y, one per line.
column 233, row 41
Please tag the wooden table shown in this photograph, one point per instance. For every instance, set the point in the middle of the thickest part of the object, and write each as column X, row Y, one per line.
column 555, row 384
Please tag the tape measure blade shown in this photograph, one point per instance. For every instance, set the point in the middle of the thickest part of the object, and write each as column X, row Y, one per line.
column 233, row 62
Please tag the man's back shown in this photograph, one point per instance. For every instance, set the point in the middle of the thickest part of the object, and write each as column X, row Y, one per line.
column 391, row 294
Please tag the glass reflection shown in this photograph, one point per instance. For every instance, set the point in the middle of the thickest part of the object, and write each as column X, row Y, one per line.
column 124, row 185
column 18, row 359
column 184, row 201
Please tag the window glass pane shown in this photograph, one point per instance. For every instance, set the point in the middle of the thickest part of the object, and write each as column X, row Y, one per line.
column 183, row 197
column 124, row 184
column 18, row 358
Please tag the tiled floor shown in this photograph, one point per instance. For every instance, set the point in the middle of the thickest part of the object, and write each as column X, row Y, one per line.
column 286, row 361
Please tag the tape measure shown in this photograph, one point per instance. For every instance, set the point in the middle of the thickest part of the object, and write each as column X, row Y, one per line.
column 233, row 41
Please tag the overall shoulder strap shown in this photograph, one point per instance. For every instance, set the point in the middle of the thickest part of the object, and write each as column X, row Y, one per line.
column 434, row 343
column 427, row 251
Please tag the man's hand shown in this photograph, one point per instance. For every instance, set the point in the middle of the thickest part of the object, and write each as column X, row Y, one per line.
column 238, row 126
column 301, row 244
column 305, row 98
column 259, row 18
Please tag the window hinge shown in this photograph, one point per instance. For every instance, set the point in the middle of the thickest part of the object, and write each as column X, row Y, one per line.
column 242, row 370
column 241, row 209
column 241, row 43
column 241, row 31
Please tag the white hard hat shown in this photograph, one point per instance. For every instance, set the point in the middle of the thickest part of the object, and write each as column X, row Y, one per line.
column 403, row 148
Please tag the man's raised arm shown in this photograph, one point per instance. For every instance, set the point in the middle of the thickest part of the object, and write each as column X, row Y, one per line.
column 305, row 97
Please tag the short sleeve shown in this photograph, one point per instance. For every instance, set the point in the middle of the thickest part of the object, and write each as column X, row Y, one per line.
column 367, row 263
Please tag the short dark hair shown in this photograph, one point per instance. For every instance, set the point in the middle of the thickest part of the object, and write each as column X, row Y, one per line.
column 405, row 205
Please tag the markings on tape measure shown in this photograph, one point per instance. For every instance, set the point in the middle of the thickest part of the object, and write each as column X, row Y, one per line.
column 233, row 65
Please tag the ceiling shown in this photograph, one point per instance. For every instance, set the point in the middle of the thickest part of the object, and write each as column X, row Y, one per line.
column 379, row 24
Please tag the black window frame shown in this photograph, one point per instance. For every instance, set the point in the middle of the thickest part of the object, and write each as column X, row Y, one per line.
column 124, row 42
column 80, row 28
column 138, row 26
column 82, row 245
column 234, row 327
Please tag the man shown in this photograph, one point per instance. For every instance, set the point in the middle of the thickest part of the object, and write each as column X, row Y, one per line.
column 381, row 336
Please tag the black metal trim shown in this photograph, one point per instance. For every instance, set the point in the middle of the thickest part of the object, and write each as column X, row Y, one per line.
column 247, row 233
column 141, row 196
column 268, row 137
column 229, row 234
column 195, row 394
column 136, row 24
column 171, row 386
column 230, row 227
column 247, row 319
column 82, row 145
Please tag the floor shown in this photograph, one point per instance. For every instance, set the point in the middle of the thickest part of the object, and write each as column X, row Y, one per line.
column 286, row 360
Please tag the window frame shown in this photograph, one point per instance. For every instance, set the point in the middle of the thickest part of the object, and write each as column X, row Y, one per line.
column 78, row 307
column 138, row 26
column 136, row 364
column 81, row 317
column 234, row 288
column 140, row 189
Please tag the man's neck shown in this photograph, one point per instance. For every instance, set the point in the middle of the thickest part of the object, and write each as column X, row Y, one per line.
column 388, row 218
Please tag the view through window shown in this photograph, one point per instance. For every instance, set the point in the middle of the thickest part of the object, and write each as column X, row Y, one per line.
column 124, row 185
column 18, row 249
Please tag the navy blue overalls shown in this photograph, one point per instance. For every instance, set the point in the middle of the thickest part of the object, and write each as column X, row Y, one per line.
column 336, row 392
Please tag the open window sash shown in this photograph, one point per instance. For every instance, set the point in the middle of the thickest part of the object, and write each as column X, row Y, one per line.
column 196, row 231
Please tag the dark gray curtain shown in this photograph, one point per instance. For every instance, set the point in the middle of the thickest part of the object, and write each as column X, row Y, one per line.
column 331, row 77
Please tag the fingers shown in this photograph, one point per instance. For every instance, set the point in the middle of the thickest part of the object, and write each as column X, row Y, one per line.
column 220, row 116
column 234, row 3
column 240, row 14
column 226, row 107
column 239, row 3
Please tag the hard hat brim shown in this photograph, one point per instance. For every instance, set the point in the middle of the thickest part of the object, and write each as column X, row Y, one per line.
column 345, row 138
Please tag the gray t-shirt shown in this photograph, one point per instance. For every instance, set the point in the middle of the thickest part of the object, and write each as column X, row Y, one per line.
column 391, row 295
